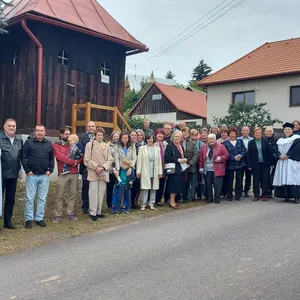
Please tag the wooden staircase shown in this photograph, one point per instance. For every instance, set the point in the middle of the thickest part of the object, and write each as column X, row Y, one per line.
column 117, row 117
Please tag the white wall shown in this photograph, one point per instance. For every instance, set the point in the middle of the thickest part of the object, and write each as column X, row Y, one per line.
column 166, row 117
column 274, row 91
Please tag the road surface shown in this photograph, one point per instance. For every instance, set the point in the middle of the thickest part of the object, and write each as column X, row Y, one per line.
column 230, row 251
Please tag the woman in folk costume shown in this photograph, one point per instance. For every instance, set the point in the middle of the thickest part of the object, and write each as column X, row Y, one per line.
column 287, row 174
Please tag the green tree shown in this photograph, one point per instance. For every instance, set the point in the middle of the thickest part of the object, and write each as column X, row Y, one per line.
column 243, row 114
column 170, row 75
column 131, row 97
column 2, row 18
column 200, row 72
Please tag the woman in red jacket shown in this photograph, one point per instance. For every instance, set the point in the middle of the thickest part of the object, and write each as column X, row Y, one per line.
column 212, row 162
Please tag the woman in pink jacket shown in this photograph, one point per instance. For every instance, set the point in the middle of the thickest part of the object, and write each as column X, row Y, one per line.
column 212, row 162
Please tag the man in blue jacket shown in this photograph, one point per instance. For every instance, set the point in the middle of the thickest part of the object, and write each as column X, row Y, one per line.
column 11, row 151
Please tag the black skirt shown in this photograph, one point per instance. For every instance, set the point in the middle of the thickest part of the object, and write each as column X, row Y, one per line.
column 287, row 191
column 175, row 184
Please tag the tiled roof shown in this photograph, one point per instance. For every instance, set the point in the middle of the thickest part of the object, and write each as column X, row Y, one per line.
column 86, row 14
column 135, row 81
column 183, row 100
column 270, row 59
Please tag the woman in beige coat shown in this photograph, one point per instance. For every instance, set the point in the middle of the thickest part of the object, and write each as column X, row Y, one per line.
column 149, row 170
column 98, row 160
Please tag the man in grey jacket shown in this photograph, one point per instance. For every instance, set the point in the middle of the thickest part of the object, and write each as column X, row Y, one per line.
column 11, row 151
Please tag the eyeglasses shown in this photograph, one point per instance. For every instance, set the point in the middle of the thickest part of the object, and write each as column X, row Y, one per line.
column 167, row 128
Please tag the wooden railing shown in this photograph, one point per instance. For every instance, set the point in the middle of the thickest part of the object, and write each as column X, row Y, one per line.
column 88, row 107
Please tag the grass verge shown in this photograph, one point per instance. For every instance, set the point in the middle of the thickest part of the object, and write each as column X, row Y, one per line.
column 21, row 238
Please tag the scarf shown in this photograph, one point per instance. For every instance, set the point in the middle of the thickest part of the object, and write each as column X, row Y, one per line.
column 211, row 152
column 162, row 151
column 179, row 148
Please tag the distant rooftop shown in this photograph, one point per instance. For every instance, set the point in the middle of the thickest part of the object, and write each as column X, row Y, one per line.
column 135, row 81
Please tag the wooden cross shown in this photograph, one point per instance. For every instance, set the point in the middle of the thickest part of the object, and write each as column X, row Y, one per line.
column 64, row 59
column 105, row 69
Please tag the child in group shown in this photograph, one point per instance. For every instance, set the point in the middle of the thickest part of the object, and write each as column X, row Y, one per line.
column 76, row 151
column 123, row 188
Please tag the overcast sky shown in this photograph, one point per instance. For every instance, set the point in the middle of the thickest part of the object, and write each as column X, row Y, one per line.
column 246, row 27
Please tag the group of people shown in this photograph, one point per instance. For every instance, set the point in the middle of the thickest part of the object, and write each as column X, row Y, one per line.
column 145, row 168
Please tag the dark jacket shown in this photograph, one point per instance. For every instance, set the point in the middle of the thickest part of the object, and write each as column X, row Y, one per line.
column 171, row 156
column 38, row 156
column 83, row 140
column 10, row 156
column 252, row 154
column 191, row 154
column 273, row 144
column 233, row 151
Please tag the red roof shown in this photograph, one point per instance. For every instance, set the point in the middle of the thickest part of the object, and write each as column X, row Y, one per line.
column 270, row 59
column 183, row 100
column 85, row 14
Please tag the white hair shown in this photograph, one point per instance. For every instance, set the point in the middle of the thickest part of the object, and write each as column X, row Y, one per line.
column 270, row 128
column 176, row 132
column 212, row 136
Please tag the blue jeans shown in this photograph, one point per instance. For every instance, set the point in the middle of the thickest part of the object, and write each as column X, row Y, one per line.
column 36, row 185
column 122, row 195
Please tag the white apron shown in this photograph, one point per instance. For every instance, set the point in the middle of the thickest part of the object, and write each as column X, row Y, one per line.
column 287, row 171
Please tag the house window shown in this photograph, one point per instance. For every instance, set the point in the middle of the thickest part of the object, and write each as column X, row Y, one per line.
column 63, row 58
column 105, row 69
column 295, row 95
column 247, row 97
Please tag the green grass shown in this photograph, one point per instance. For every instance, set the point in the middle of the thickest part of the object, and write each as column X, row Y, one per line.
column 21, row 238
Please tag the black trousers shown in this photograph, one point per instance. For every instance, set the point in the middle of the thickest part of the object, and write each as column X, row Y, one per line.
column 9, row 186
column 261, row 177
column 271, row 178
column 238, row 182
column 160, row 191
column 224, row 185
column 201, row 190
column 135, row 191
column 247, row 176
column 216, row 181
column 85, row 194
column 110, row 190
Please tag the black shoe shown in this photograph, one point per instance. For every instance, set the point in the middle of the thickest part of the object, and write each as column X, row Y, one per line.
column 296, row 201
column 101, row 216
column 28, row 224
column 217, row 201
column 159, row 204
column 85, row 211
column 229, row 198
column 246, row 195
column 270, row 196
column 238, row 199
column 286, row 200
column 94, row 218
column 9, row 226
column 41, row 223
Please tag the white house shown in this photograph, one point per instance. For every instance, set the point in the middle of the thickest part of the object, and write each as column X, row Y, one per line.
column 270, row 73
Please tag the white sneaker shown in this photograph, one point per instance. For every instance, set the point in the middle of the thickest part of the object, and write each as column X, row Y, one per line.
column 152, row 207
column 143, row 207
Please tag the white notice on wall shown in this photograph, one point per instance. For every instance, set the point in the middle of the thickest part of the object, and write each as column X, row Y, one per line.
column 105, row 79
column 0, row 186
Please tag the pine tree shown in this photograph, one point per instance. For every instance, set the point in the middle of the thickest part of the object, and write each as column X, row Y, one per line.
column 200, row 72
column 2, row 18
column 170, row 75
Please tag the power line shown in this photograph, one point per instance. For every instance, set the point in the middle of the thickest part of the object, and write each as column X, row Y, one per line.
column 179, row 34
column 199, row 28
column 200, row 19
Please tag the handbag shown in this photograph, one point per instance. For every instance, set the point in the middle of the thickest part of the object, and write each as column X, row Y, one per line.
column 170, row 168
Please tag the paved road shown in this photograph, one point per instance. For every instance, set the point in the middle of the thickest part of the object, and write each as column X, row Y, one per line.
column 232, row 251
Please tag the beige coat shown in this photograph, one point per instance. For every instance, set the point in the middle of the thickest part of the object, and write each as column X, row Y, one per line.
column 142, row 167
column 97, row 155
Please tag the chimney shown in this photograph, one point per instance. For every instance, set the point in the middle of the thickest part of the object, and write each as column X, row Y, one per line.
column 152, row 77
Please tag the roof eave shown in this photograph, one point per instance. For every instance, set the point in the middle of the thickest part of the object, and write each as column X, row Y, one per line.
column 205, row 84
column 28, row 16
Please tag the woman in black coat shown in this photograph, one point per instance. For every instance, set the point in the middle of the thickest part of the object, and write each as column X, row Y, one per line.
column 260, row 159
column 174, row 154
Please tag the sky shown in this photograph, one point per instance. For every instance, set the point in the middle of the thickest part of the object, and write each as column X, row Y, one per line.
column 244, row 28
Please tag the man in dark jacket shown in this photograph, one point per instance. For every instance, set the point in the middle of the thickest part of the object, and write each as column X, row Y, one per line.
column 38, row 164
column 86, row 137
column 11, row 152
